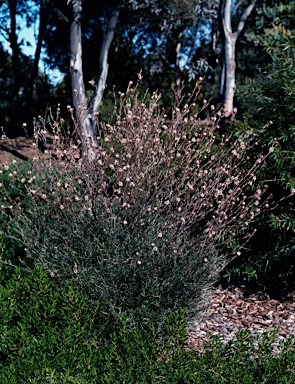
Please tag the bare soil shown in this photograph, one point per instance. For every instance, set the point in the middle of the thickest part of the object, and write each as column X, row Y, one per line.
column 17, row 148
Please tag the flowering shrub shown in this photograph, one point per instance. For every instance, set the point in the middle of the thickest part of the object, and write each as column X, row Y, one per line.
column 146, row 228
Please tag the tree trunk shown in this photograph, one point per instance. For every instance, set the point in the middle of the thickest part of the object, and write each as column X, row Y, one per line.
column 228, row 73
column 85, row 114
column 103, row 61
column 12, row 4
column 86, row 131
column 33, row 90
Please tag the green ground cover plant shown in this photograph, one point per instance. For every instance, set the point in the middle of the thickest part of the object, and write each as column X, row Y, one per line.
column 60, row 336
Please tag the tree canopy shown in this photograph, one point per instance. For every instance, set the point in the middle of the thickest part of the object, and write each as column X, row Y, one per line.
column 170, row 42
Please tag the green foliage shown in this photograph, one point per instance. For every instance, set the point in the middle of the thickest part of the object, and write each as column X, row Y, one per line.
column 60, row 336
column 12, row 249
column 269, row 100
column 143, row 227
column 274, row 24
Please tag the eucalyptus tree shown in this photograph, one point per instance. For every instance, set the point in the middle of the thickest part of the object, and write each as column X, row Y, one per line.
column 151, row 24
column 228, row 73
column 85, row 112
column 41, row 12
column 270, row 110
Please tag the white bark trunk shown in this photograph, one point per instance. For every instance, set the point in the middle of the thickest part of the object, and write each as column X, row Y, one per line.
column 103, row 62
column 84, row 113
column 85, row 126
column 228, row 74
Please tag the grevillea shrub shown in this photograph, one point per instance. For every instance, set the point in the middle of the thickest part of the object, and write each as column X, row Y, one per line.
column 145, row 229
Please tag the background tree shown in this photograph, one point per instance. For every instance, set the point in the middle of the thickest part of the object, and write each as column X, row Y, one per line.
column 152, row 32
column 269, row 260
column 163, row 39
column 12, row 8
column 85, row 114
column 33, row 91
column 228, row 73
column 23, row 96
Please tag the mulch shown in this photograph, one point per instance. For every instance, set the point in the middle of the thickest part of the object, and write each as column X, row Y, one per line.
column 230, row 310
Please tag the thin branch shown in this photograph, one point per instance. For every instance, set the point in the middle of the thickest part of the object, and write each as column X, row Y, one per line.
column 244, row 17
column 59, row 11
column 103, row 61
column 238, row 5
column 13, row 265
column 226, row 16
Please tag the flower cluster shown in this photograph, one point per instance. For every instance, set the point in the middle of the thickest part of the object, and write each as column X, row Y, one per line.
column 167, row 195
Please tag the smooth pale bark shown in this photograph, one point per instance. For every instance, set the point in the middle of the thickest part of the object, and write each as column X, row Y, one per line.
column 103, row 61
column 85, row 113
column 228, row 74
column 86, row 130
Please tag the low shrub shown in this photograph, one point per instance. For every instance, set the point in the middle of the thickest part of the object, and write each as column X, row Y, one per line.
column 11, row 249
column 60, row 336
column 147, row 227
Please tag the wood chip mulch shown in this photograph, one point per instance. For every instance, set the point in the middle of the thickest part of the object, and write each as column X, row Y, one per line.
column 230, row 311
